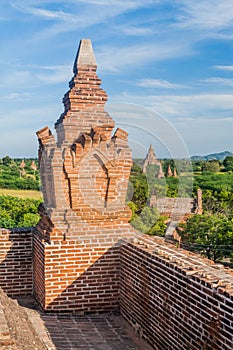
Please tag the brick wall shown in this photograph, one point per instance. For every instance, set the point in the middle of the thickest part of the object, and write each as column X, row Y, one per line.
column 175, row 299
column 79, row 275
column 16, row 261
column 84, row 175
column 38, row 268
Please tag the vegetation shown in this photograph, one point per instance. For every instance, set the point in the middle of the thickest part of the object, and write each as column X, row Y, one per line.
column 210, row 234
column 19, row 192
column 138, row 188
column 212, row 166
column 228, row 163
column 19, row 174
column 18, row 212
column 149, row 221
column 143, row 186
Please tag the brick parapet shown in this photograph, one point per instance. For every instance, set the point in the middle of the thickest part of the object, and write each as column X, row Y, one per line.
column 80, row 274
column 175, row 299
column 16, row 261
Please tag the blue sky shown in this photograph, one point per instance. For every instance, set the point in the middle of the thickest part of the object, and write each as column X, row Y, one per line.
column 171, row 57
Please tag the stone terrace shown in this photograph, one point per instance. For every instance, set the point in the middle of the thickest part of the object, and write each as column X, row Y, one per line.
column 24, row 328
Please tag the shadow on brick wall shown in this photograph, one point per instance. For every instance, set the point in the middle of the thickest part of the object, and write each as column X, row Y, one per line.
column 16, row 261
column 95, row 290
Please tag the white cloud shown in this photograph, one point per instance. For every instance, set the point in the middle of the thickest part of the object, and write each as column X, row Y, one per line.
column 134, row 30
column 157, row 83
column 202, row 120
column 80, row 14
column 114, row 59
column 223, row 36
column 174, row 106
column 205, row 14
column 35, row 76
column 22, row 77
column 29, row 115
column 58, row 74
column 44, row 13
column 48, row 68
column 128, row 4
column 20, row 96
column 222, row 81
column 227, row 68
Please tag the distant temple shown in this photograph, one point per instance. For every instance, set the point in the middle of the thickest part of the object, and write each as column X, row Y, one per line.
column 177, row 209
column 85, row 258
column 151, row 159
column 169, row 172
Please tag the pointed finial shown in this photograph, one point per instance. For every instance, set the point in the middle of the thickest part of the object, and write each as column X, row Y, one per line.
column 169, row 171
column 85, row 55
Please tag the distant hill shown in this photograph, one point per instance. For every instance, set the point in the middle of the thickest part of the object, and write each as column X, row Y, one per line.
column 218, row 156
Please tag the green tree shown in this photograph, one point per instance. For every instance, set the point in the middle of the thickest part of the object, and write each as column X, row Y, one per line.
column 212, row 166
column 228, row 163
column 18, row 212
column 7, row 160
column 198, row 165
column 138, row 188
column 28, row 220
column 150, row 222
column 217, row 202
column 210, row 235
column 11, row 175
column 6, row 221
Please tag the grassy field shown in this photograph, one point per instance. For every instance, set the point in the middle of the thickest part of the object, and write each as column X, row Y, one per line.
column 21, row 193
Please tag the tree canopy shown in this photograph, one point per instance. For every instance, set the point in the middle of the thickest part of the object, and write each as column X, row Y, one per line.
column 18, row 212
column 228, row 163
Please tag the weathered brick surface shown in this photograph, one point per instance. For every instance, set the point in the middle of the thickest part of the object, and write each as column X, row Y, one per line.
column 78, row 275
column 176, row 300
column 38, row 269
column 92, row 332
column 16, row 330
column 84, row 173
column 5, row 336
column 16, row 261
column 84, row 182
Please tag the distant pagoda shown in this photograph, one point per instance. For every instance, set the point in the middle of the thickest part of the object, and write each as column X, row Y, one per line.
column 151, row 159
column 169, row 171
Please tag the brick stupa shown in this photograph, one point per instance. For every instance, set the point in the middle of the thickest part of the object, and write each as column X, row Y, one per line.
column 84, row 176
column 151, row 159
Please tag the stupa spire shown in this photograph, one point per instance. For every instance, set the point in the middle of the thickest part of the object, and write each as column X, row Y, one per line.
column 151, row 159
column 85, row 55
column 84, row 103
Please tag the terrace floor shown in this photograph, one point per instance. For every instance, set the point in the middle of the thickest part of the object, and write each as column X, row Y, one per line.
column 25, row 328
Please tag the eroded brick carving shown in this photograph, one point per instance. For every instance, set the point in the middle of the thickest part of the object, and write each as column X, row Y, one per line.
column 84, row 174
column 86, row 170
